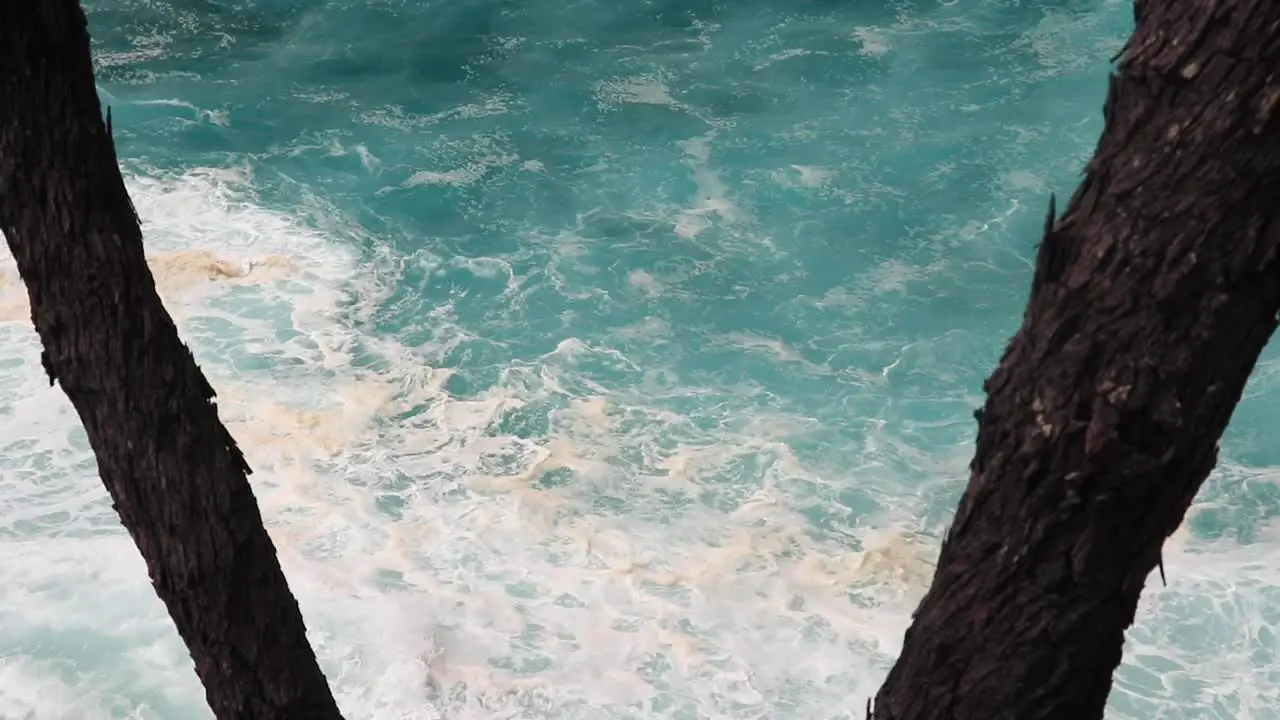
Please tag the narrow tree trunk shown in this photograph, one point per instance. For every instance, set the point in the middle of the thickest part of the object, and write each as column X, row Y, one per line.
column 174, row 473
column 1152, row 299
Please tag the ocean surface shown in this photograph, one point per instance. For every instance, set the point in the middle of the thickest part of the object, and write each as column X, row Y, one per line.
column 596, row 359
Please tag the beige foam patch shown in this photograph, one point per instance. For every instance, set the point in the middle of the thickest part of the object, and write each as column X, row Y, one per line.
column 176, row 274
column 895, row 558
column 299, row 433
column 178, row 271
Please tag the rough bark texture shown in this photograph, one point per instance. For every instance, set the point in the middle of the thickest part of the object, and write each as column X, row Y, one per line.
column 175, row 475
column 1152, row 298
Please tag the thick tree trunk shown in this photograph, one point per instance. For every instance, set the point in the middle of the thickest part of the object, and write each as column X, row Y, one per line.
column 174, row 473
column 1152, row 299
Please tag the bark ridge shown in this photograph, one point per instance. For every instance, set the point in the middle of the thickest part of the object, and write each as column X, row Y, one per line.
column 174, row 473
column 1152, row 298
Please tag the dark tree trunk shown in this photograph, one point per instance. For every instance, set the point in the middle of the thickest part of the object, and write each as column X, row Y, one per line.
column 1152, row 298
column 174, row 473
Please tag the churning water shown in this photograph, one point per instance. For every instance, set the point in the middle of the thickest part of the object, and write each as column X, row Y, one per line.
column 596, row 359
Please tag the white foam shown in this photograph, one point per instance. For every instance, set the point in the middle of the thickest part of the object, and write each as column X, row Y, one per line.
column 712, row 198
column 498, row 573
column 398, row 118
column 807, row 176
column 1205, row 645
column 627, row 559
column 216, row 117
column 30, row 690
column 637, row 90
column 874, row 41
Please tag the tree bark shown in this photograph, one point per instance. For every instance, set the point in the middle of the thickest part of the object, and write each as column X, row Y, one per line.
column 174, row 473
column 1152, row 298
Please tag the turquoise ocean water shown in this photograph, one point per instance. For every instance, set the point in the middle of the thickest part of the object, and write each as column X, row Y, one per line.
column 597, row 360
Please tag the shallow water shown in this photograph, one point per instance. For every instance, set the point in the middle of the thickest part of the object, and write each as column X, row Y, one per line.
column 596, row 360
